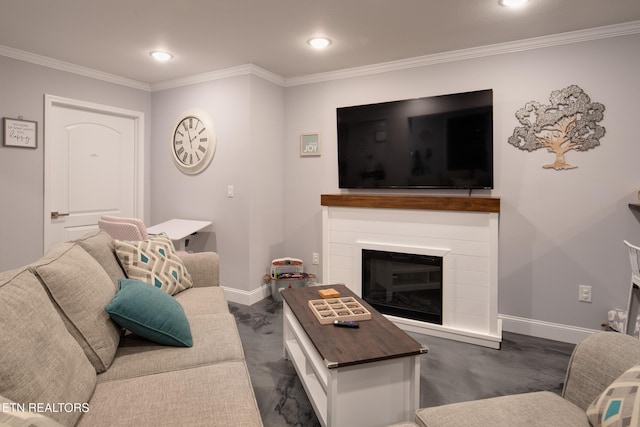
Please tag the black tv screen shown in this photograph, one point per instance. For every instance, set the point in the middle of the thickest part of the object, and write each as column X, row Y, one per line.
column 434, row 142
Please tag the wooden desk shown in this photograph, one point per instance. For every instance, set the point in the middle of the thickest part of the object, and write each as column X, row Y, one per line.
column 178, row 230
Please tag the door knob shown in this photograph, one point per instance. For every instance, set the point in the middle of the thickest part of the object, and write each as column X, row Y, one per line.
column 56, row 214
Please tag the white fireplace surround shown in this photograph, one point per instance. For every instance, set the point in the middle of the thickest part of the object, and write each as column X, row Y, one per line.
column 467, row 241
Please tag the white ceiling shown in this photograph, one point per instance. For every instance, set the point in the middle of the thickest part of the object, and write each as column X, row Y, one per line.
column 115, row 36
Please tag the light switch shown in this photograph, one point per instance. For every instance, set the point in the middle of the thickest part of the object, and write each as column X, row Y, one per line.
column 230, row 192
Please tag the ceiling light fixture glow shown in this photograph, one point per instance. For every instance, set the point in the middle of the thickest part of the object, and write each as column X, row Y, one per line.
column 160, row 56
column 512, row 3
column 318, row 42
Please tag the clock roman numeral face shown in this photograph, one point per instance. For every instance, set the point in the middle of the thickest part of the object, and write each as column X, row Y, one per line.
column 193, row 141
column 190, row 141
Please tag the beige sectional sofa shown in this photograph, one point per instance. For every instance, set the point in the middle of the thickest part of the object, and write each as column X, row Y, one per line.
column 64, row 361
column 600, row 389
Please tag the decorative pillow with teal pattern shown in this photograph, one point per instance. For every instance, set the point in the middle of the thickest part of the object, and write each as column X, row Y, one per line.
column 150, row 313
column 154, row 261
column 615, row 406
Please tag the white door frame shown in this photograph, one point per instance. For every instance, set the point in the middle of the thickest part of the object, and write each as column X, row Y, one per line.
column 51, row 101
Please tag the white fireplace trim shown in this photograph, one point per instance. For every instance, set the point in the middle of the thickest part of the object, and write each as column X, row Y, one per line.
column 468, row 240
column 401, row 248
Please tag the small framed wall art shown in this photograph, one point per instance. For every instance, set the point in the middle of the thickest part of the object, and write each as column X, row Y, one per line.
column 19, row 133
column 310, row 144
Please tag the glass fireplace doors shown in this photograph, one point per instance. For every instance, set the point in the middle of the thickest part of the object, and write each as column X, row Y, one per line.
column 403, row 285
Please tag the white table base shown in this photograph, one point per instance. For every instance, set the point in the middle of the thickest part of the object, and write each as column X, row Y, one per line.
column 368, row 394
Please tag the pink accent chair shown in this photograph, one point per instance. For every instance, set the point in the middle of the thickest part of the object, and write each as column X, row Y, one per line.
column 123, row 228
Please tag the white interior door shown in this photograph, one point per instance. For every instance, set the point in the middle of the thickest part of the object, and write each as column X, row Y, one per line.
column 93, row 166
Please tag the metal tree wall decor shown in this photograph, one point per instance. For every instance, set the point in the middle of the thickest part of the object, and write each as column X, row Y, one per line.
column 569, row 122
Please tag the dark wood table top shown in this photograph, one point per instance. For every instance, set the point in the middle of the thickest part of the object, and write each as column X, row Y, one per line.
column 375, row 339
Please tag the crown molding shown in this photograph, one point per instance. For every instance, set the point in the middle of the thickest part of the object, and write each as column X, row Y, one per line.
column 241, row 70
column 251, row 69
column 70, row 68
column 478, row 52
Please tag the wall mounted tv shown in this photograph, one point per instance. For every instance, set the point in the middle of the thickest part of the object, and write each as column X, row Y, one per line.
column 435, row 142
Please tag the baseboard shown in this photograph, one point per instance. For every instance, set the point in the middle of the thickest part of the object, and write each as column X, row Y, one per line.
column 518, row 325
column 247, row 297
column 541, row 329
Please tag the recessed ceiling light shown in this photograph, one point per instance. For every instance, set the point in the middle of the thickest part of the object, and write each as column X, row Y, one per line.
column 319, row 42
column 512, row 3
column 160, row 56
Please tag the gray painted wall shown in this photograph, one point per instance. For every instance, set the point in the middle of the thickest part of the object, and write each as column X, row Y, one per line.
column 22, row 89
column 247, row 229
column 557, row 229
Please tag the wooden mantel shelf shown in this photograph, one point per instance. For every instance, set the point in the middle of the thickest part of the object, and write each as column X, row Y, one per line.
column 437, row 203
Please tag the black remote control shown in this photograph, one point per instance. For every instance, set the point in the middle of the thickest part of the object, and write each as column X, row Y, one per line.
column 345, row 324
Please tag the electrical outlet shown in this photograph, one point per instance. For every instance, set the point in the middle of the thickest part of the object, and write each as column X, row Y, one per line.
column 316, row 258
column 584, row 293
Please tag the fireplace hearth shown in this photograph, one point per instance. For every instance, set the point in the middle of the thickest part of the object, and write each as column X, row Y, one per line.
column 403, row 284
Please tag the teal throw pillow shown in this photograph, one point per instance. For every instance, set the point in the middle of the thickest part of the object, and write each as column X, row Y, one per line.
column 151, row 313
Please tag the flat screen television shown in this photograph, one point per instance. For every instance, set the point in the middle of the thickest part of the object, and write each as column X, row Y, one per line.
column 434, row 142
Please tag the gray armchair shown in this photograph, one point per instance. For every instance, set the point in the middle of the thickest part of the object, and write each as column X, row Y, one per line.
column 595, row 364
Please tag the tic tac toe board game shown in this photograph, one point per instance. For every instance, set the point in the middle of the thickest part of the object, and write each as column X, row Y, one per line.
column 345, row 308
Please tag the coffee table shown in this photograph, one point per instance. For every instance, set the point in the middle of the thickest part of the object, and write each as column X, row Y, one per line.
column 368, row 376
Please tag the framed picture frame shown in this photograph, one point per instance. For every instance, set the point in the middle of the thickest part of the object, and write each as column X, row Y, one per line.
column 310, row 144
column 19, row 133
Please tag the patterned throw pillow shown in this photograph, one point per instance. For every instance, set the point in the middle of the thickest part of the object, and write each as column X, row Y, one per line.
column 615, row 406
column 154, row 261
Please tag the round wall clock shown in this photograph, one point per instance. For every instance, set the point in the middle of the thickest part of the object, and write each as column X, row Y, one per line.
column 193, row 141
